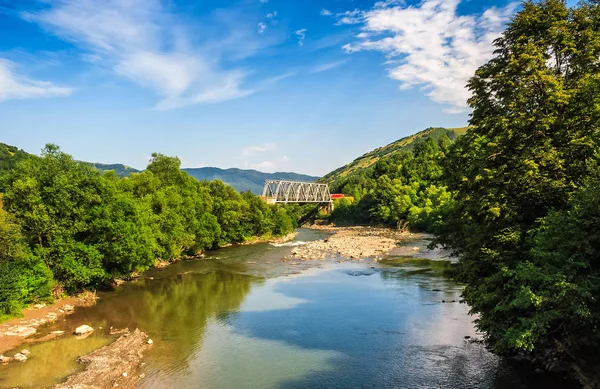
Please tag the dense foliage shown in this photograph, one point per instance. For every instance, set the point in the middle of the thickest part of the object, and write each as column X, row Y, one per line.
column 525, row 220
column 405, row 187
column 70, row 226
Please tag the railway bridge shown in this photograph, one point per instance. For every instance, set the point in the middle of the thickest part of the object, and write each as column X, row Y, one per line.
column 284, row 192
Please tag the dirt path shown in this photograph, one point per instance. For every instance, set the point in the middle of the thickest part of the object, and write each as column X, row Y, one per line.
column 115, row 365
column 350, row 242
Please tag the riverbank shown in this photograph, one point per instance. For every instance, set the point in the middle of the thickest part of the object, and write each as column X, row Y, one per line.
column 18, row 331
column 354, row 243
column 115, row 365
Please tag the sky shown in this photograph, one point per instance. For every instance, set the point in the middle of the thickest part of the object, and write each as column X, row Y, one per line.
column 272, row 85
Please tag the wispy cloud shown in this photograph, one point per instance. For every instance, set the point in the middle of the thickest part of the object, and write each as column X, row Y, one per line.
column 429, row 45
column 327, row 66
column 264, row 165
column 326, row 12
column 300, row 34
column 16, row 86
column 249, row 151
column 143, row 42
column 261, row 27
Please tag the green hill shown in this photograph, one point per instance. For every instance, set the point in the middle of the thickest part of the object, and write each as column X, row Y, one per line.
column 369, row 159
column 240, row 179
column 119, row 168
column 244, row 179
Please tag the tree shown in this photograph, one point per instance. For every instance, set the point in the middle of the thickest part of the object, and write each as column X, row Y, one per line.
column 533, row 134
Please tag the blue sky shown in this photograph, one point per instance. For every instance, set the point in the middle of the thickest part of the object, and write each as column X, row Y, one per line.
column 274, row 85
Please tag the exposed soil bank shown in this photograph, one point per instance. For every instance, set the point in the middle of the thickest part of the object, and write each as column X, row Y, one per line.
column 21, row 330
column 115, row 365
column 351, row 242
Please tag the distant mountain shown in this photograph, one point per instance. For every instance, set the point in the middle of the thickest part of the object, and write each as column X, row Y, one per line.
column 369, row 159
column 242, row 179
column 119, row 168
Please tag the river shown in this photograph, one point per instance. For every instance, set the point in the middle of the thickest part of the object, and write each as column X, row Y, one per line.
column 242, row 318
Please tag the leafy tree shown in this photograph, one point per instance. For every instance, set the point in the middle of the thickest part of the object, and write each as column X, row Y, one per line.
column 531, row 144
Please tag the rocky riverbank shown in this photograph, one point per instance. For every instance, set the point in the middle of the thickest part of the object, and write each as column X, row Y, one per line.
column 355, row 243
column 21, row 330
column 115, row 365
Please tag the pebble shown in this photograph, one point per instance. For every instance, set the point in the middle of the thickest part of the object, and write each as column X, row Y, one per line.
column 20, row 357
column 150, row 341
column 84, row 329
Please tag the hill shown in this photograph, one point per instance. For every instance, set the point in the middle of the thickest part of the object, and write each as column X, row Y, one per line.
column 119, row 168
column 366, row 161
column 243, row 179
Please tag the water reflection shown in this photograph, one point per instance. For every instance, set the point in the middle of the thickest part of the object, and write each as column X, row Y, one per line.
column 216, row 324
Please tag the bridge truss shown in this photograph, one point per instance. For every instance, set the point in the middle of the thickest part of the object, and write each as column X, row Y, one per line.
column 281, row 191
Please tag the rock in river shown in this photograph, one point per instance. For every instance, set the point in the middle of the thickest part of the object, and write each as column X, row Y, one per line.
column 84, row 329
column 20, row 357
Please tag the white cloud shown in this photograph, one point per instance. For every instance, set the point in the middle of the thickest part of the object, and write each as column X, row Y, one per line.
column 326, row 12
column 264, row 165
column 430, row 45
column 350, row 17
column 255, row 149
column 272, row 15
column 301, row 34
column 141, row 41
column 15, row 86
column 261, row 27
column 327, row 66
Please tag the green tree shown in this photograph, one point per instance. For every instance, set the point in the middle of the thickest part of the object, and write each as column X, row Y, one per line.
column 531, row 143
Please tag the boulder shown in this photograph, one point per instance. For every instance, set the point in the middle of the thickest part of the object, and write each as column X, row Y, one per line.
column 39, row 306
column 4, row 359
column 25, row 352
column 68, row 308
column 20, row 357
column 84, row 329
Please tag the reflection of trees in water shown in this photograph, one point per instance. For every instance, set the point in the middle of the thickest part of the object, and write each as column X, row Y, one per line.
column 175, row 310
column 406, row 267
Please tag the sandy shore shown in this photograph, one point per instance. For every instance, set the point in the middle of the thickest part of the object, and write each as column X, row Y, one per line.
column 350, row 242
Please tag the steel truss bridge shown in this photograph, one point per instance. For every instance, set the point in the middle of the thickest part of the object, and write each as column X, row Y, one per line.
column 280, row 191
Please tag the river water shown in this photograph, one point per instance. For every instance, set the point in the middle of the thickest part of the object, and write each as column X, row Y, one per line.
column 242, row 318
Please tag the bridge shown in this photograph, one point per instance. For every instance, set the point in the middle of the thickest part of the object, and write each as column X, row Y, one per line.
column 283, row 192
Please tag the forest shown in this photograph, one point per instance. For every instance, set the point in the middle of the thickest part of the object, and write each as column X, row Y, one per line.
column 66, row 226
column 516, row 197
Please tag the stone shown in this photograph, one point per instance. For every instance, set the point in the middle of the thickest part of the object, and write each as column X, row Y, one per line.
column 20, row 357
column 150, row 341
column 84, row 329
column 4, row 359
column 39, row 306
column 25, row 352
column 21, row 331
column 125, row 374
column 68, row 308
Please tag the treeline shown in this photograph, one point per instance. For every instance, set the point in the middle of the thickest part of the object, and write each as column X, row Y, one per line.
column 406, row 187
column 518, row 197
column 67, row 226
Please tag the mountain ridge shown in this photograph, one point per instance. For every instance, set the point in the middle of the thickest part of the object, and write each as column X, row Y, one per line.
column 368, row 160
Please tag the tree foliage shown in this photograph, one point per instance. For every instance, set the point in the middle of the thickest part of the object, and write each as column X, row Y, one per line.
column 404, row 186
column 70, row 224
column 518, row 176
